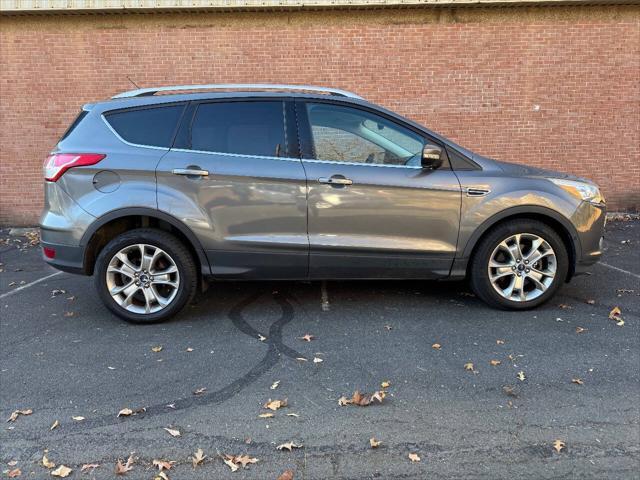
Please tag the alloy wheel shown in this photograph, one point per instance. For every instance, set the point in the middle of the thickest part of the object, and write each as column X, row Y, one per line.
column 522, row 267
column 142, row 278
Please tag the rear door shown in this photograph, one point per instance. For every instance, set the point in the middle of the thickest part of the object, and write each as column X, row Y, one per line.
column 374, row 212
column 234, row 179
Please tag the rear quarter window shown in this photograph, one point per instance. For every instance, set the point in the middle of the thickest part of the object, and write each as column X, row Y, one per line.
column 75, row 123
column 152, row 126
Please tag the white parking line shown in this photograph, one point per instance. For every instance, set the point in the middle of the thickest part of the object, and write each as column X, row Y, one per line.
column 22, row 287
column 619, row 269
column 325, row 297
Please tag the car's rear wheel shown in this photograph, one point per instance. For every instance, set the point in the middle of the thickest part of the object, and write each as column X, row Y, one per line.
column 519, row 265
column 145, row 275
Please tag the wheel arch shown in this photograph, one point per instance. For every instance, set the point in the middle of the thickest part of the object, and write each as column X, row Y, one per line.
column 118, row 221
column 558, row 222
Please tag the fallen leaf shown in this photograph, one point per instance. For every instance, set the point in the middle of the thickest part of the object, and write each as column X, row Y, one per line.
column 500, row 342
column 233, row 461
column 172, row 432
column 68, row 314
column 292, row 415
column 307, row 337
column 286, row 475
column 301, row 359
column 581, row 329
column 78, row 418
column 274, row 385
column 156, row 349
column 14, row 415
column 121, row 468
column 385, row 384
column 245, row 460
column 362, row 400
column 89, row 467
column 163, row 464
column 275, row 404
column 521, row 376
column 495, row 363
column 62, row 471
column 189, row 349
column 436, row 346
column 564, row 306
column 55, row 424
column 317, row 360
column 200, row 391
column 161, row 476
column 374, row 443
column 577, row 381
column 616, row 316
column 414, row 457
column 47, row 463
column 288, row 446
column 12, row 463
column 125, row 412
column 16, row 472
column 266, row 415
column 262, row 338
column 198, row 458
column 591, row 302
column 509, row 390
column 558, row 445
column 230, row 464
column 388, row 327
column 469, row 366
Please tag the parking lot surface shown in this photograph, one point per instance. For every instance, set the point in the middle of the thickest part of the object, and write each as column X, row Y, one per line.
column 566, row 372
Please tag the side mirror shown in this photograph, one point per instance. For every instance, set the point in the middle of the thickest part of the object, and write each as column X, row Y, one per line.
column 431, row 157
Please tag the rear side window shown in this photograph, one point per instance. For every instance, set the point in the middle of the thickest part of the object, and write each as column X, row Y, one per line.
column 75, row 123
column 154, row 126
column 244, row 128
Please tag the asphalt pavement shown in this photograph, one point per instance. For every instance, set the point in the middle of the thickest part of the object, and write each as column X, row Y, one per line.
column 566, row 373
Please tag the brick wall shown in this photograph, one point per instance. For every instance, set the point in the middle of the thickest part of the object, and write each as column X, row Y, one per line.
column 556, row 87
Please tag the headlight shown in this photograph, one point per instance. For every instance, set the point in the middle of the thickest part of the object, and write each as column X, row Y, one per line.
column 581, row 190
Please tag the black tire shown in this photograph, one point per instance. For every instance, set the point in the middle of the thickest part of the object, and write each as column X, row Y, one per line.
column 479, row 272
column 178, row 252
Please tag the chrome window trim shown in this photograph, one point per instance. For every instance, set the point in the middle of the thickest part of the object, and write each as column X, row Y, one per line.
column 228, row 154
column 117, row 135
column 360, row 164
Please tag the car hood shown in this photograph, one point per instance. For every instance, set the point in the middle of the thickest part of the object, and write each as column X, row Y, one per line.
column 518, row 170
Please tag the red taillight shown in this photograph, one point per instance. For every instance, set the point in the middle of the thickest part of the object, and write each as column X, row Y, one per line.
column 49, row 252
column 58, row 163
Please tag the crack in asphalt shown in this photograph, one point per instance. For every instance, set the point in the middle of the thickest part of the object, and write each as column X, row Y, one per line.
column 276, row 348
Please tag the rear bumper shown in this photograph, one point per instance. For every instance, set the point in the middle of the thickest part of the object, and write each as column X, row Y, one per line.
column 67, row 258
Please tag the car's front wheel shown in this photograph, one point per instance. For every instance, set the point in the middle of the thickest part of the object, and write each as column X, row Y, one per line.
column 520, row 264
column 145, row 275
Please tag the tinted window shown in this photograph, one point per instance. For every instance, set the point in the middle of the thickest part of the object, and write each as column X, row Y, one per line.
column 149, row 126
column 247, row 128
column 75, row 123
column 347, row 134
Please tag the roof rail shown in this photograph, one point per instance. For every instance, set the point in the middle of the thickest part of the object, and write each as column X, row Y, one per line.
column 235, row 86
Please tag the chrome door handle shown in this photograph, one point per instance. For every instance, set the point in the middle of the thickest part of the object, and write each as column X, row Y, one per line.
column 190, row 172
column 335, row 181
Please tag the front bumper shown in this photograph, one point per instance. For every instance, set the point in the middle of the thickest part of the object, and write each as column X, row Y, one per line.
column 589, row 220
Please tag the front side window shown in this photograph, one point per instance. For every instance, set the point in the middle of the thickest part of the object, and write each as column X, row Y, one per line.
column 345, row 134
column 153, row 126
column 243, row 128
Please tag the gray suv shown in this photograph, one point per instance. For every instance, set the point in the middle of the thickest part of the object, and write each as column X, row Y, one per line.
column 158, row 190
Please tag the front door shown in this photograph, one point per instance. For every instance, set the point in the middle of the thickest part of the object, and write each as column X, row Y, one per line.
column 374, row 212
column 235, row 178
